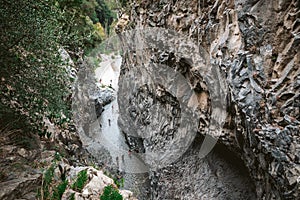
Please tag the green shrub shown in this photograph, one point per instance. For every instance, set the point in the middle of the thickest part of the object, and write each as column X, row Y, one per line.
column 72, row 197
column 110, row 193
column 119, row 182
column 33, row 78
column 80, row 181
column 47, row 179
column 57, row 156
column 59, row 190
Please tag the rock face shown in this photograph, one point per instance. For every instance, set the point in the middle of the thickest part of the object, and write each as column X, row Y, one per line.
column 21, row 187
column 102, row 97
column 255, row 46
column 95, row 185
column 89, row 99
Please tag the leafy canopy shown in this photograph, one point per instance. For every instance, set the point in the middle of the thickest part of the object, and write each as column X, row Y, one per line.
column 33, row 77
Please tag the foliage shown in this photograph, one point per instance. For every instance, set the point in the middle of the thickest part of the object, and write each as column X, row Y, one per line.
column 123, row 2
column 48, row 189
column 72, row 197
column 46, row 184
column 59, row 190
column 80, row 181
column 105, row 15
column 99, row 29
column 119, row 182
column 110, row 193
column 57, row 156
column 78, row 19
column 33, row 78
column 88, row 7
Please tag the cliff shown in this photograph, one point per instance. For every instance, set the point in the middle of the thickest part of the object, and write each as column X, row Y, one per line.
column 254, row 46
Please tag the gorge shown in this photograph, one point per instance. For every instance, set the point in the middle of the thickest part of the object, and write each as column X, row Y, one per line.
column 254, row 47
column 196, row 99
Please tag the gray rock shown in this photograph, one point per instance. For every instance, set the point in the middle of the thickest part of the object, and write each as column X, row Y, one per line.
column 17, row 188
column 259, row 44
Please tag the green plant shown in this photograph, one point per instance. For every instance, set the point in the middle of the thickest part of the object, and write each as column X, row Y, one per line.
column 46, row 183
column 32, row 71
column 57, row 156
column 72, row 197
column 33, row 77
column 80, row 181
column 274, row 57
column 119, row 182
column 59, row 190
column 110, row 193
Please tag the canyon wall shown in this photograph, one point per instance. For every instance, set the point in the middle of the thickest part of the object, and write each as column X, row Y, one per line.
column 255, row 46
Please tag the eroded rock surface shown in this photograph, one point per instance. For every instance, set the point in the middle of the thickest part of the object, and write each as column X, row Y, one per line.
column 95, row 185
column 255, row 46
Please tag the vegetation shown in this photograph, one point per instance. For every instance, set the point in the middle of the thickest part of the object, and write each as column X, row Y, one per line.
column 34, row 81
column 48, row 190
column 34, row 71
column 46, row 183
column 59, row 190
column 53, row 187
column 119, row 182
column 72, row 197
column 81, row 180
column 110, row 193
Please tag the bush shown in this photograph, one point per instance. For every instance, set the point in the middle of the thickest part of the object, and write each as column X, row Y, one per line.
column 72, row 197
column 110, row 193
column 119, row 182
column 80, row 181
column 47, row 179
column 59, row 190
column 33, row 78
column 32, row 74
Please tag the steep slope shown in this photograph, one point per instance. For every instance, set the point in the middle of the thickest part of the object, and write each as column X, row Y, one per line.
column 255, row 45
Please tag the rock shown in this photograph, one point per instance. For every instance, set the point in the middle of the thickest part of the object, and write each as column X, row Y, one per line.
column 102, row 97
column 127, row 195
column 95, row 185
column 22, row 152
column 122, row 23
column 17, row 188
column 259, row 51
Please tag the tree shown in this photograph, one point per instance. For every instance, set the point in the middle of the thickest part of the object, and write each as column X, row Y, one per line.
column 33, row 77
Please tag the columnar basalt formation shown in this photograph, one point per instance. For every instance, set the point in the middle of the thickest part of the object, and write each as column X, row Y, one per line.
column 255, row 44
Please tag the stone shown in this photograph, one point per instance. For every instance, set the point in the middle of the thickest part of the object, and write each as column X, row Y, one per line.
column 19, row 187
column 260, row 52
column 22, row 152
column 94, row 187
column 127, row 195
